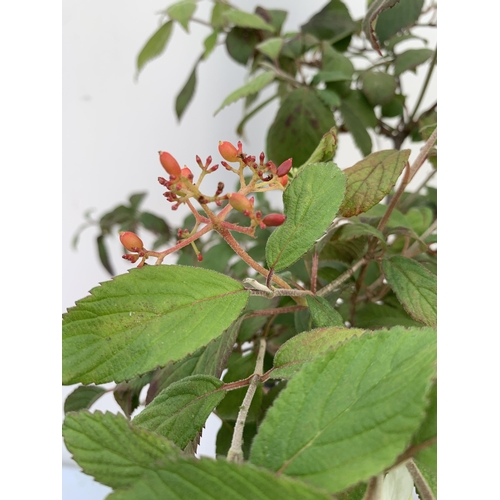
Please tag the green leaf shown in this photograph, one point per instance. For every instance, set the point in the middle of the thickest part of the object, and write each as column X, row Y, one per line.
column 376, row 7
column 371, row 179
column 362, row 403
column 240, row 44
column 225, row 436
column 403, row 15
column 325, row 150
column 333, row 22
column 145, row 319
column 103, row 254
column 209, row 43
column 207, row 479
column 111, row 449
column 127, row 393
column 300, row 123
column 335, row 61
column 311, row 202
column 209, row 360
column 276, row 17
column 187, row 92
column 306, row 346
column 180, row 411
column 182, row 12
column 155, row 45
column 251, row 114
column 271, row 47
column 379, row 88
column 358, row 230
column 217, row 19
column 375, row 316
column 247, row 20
column 330, row 76
column 415, row 287
column 395, row 107
column 155, row 224
column 322, row 313
column 253, row 86
column 83, row 397
column 136, row 199
column 410, row 59
column 329, row 97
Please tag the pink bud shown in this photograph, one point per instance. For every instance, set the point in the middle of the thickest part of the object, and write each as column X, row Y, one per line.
column 131, row 241
column 240, row 202
column 273, row 219
column 169, row 163
column 284, row 168
column 228, row 151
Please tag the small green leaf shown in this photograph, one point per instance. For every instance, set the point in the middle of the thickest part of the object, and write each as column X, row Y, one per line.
column 187, row 92
column 209, row 43
column 136, row 199
column 144, row 319
column 240, row 44
column 375, row 316
column 410, row 59
column 362, row 403
column 325, row 150
column 83, row 397
column 111, row 449
column 103, row 254
column 395, row 107
column 217, row 19
column 127, row 393
column 305, row 346
column 335, row 61
column 207, row 479
column 251, row 114
column 182, row 12
column 247, row 20
column 322, row 313
column 253, row 86
column 400, row 17
column 371, row 179
column 300, row 123
column 180, row 411
column 358, row 230
column 311, row 202
column 376, row 7
column 330, row 76
column 276, row 17
column 271, row 47
column 329, row 97
column 155, row 45
column 415, row 287
column 379, row 88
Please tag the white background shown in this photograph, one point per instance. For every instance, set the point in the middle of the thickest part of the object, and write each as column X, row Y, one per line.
column 113, row 126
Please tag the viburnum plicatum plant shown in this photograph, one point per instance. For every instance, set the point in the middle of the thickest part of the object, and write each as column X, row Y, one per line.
column 310, row 333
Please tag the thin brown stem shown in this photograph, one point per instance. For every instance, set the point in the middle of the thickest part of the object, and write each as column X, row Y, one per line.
column 425, row 85
column 374, row 490
column 423, row 488
column 275, row 310
column 235, row 453
column 314, row 270
column 422, row 156
column 343, row 277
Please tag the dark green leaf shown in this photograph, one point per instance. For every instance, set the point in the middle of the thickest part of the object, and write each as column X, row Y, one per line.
column 378, row 87
column 155, row 224
column 325, row 150
column 180, row 411
column 182, row 12
column 127, row 393
column 357, row 230
column 118, row 216
column 395, row 107
column 136, row 199
column 329, row 97
column 362, row 403
column 271, row 47
column 225, row 436
column 415, row 287
column 410, row 59
column 330, row 76
column 311, row 202
column 253, row 86
column 155, row 45
column 144, row 319
column 103, row 254
column 375, row 316
column 247, row 20
column 298, row 127
column 322, row 313
column 240, row 44
column 276, row 17
column 335, row 61
column 376, row 7
column 371, row 179
column 187, row 92
column 403, row 15
column 83, row 397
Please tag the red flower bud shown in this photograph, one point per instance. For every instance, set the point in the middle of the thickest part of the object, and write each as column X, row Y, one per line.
column 228, row 151
column 273, row 219
column 186, row 172
column 284, row 168
column 131, row 241
column 240, row 202
column 284, row 180
column 169, row 163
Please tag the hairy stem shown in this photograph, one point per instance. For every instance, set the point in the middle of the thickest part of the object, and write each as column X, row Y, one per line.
column 235, row 453
column 374, row 490
column 423, row 488
column 275, row 310
column 331, row 287
column 422, row 156
column 425, row 85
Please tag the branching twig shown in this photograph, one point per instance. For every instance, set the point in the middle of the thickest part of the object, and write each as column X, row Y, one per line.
column 343, row 277
column 235, row 453
column 419, row 160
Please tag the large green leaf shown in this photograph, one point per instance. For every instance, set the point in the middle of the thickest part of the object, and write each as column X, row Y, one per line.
column 206, row 479
column 371, row 179
column 253, row 86
column 247, row 20
column 410, row 59
column 306, row 346
column 378, row 87
column 348, row 414
column 415, row 287
column 145, row 319
column 240, row 43
column 180, row 411
column 311, row 202
column 300, row 123
column 401, row 16
column 374, row 10
column 83, row 397
column 182, row 12
column 111, row 449
column 155, row 45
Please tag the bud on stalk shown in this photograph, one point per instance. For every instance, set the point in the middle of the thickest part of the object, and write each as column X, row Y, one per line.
column 274, row 219
column 131, row 241
column 228, row 151
column 284, row 168
column 240, row 202
column 169, row 163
